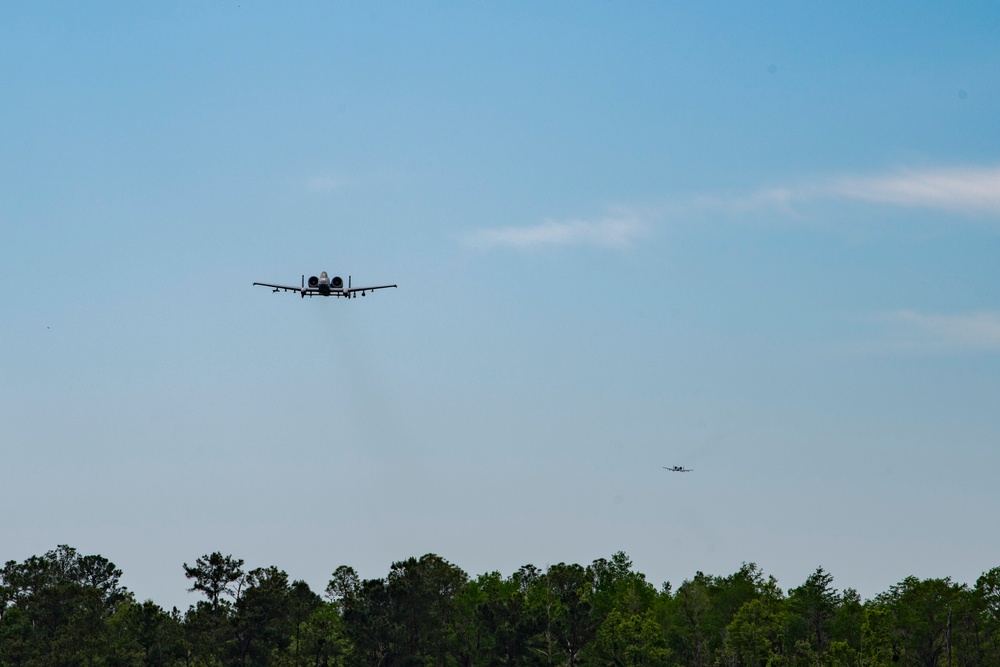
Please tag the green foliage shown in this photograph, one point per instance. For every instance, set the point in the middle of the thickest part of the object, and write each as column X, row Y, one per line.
column 150, row 634
column 846, row 624
column 813, row 606
column 922, row 613
column 754, row 634
column 879, row 646
column 505, row 621
column 263, row 622
column 616, row 586
column 686, row 615
column 422, row 596
column 630, row 640
column 840, row 654
column 569, row 603
column 59, row 608
column 64, row 609
column 986, row 613
column 344, row 583
column 216, row 575
column 319, row 641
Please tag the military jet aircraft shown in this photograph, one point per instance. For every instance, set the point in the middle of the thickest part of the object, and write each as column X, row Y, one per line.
column 324, row 285
column 678, row 469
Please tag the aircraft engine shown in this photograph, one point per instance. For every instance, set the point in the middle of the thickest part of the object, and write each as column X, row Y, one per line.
column 337, row 282
column 313, row 281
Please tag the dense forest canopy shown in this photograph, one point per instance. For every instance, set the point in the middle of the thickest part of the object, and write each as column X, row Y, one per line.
column 66, row 609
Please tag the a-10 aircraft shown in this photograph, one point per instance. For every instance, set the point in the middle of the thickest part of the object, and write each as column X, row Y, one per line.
column 324, row 285
column 678, row 469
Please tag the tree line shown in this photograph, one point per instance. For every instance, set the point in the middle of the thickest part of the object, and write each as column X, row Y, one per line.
column 64, row 609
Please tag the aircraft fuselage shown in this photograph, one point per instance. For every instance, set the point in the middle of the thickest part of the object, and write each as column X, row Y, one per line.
column 325, row 285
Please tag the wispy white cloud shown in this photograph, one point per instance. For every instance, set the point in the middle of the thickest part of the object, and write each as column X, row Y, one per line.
column 972, row 331
column 610, row 232
column 964, row 190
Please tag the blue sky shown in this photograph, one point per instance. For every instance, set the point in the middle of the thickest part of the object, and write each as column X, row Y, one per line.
column 756, row 240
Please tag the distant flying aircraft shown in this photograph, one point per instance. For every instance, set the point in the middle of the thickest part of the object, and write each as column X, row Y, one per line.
column 325, row 286
column 678, row 469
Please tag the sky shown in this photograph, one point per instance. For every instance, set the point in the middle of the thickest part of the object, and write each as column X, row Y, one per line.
column 758, row 240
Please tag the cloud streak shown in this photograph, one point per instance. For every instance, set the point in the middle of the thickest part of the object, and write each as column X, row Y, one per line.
column 972, row 331
column 962, row 190
column 607, row 232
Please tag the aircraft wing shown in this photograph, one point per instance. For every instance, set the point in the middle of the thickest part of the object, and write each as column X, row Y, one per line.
column 314, row 291
column 287, row 288
column 355, row 290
